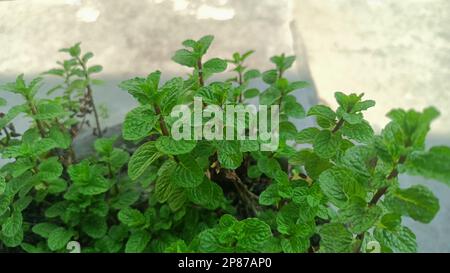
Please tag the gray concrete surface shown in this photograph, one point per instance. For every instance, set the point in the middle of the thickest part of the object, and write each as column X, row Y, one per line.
column 396, row 52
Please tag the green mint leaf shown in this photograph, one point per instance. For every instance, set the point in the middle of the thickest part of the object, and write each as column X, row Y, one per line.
column 270, row 96
column 49, row 110
column 253, row 233
column 57, row 186
column 229, row 154
column 137, row 242
column 22, row 203
column 185, row 57
column 88, row 179
column 253, row 172
column 307, row 135
column 353, row 118
column 94, row 226
column 170, row 146
column 432, row 164
column 58, row 238
column 357, row 216
column 94, row 69
column 152, row 81
column 287, row 219
column 82, row 172
column 209, row 242
column 270, row 76
column 312, row 196
column 177, row 247
column 314, row 164
column 249, row 145
column 295, row 245
column 400, row 240
column 390, row 144
column 323, row 112
column 171, row 93
column 43, row 146
column 12, row 114
column 415, row 125
column 283, row 62
column 118, row 158
column 131, row 217
column 190, row 43
column 288, row 130
column 141, row 159
column 361, row 132
column 188, row 174
column 74, row 51
column 294, row 109
column 363, row 105
column 417, row 202
column 269, row 166
column 208, row 194
column 50, row 169
column 5, row 201
column 2, row 184
column 13, row 224
column 87, row 56
column 215, row 65
column 139, row 122
column 55, row 72
column 104, row 146
column 269, row 196
column 247, row 54
column 55, row 210
column 44, row 229
column 339, row 185
column 335, row 238
column 251, row 93
column 326, row 144
column 62, row 139
column 391, row 221
column 97, row 186
column 230, row 160
column 12, row 241
column 251, row 74
column 204, row 43
column 125, row 199
column 19, row 167
column 347, row 102
column 138, row 89
column 165, row 188
column 296, row 85
column 360, row 159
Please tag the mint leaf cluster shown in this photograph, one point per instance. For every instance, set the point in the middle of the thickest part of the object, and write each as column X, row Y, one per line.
column 145, row 191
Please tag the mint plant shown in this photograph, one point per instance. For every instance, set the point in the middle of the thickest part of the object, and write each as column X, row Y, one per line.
column 77, row 88
column 149, row 191
column 244, row 76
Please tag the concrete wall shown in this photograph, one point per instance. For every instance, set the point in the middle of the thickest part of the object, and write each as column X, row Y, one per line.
column 396, row 52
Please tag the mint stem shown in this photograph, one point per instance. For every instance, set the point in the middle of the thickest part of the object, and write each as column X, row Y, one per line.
column 200, row 72
column 90, row 97
column 377, row 196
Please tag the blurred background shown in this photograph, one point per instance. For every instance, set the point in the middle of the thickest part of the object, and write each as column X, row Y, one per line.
column 396, row 52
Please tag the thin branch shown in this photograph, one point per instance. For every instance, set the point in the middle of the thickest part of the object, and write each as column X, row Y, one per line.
column 377, row 196
column 38, row 122
column 338, row 125
column 200, row 72
column 247, row 196
column 162, row 124
column 97, row 119
column 91, row 97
